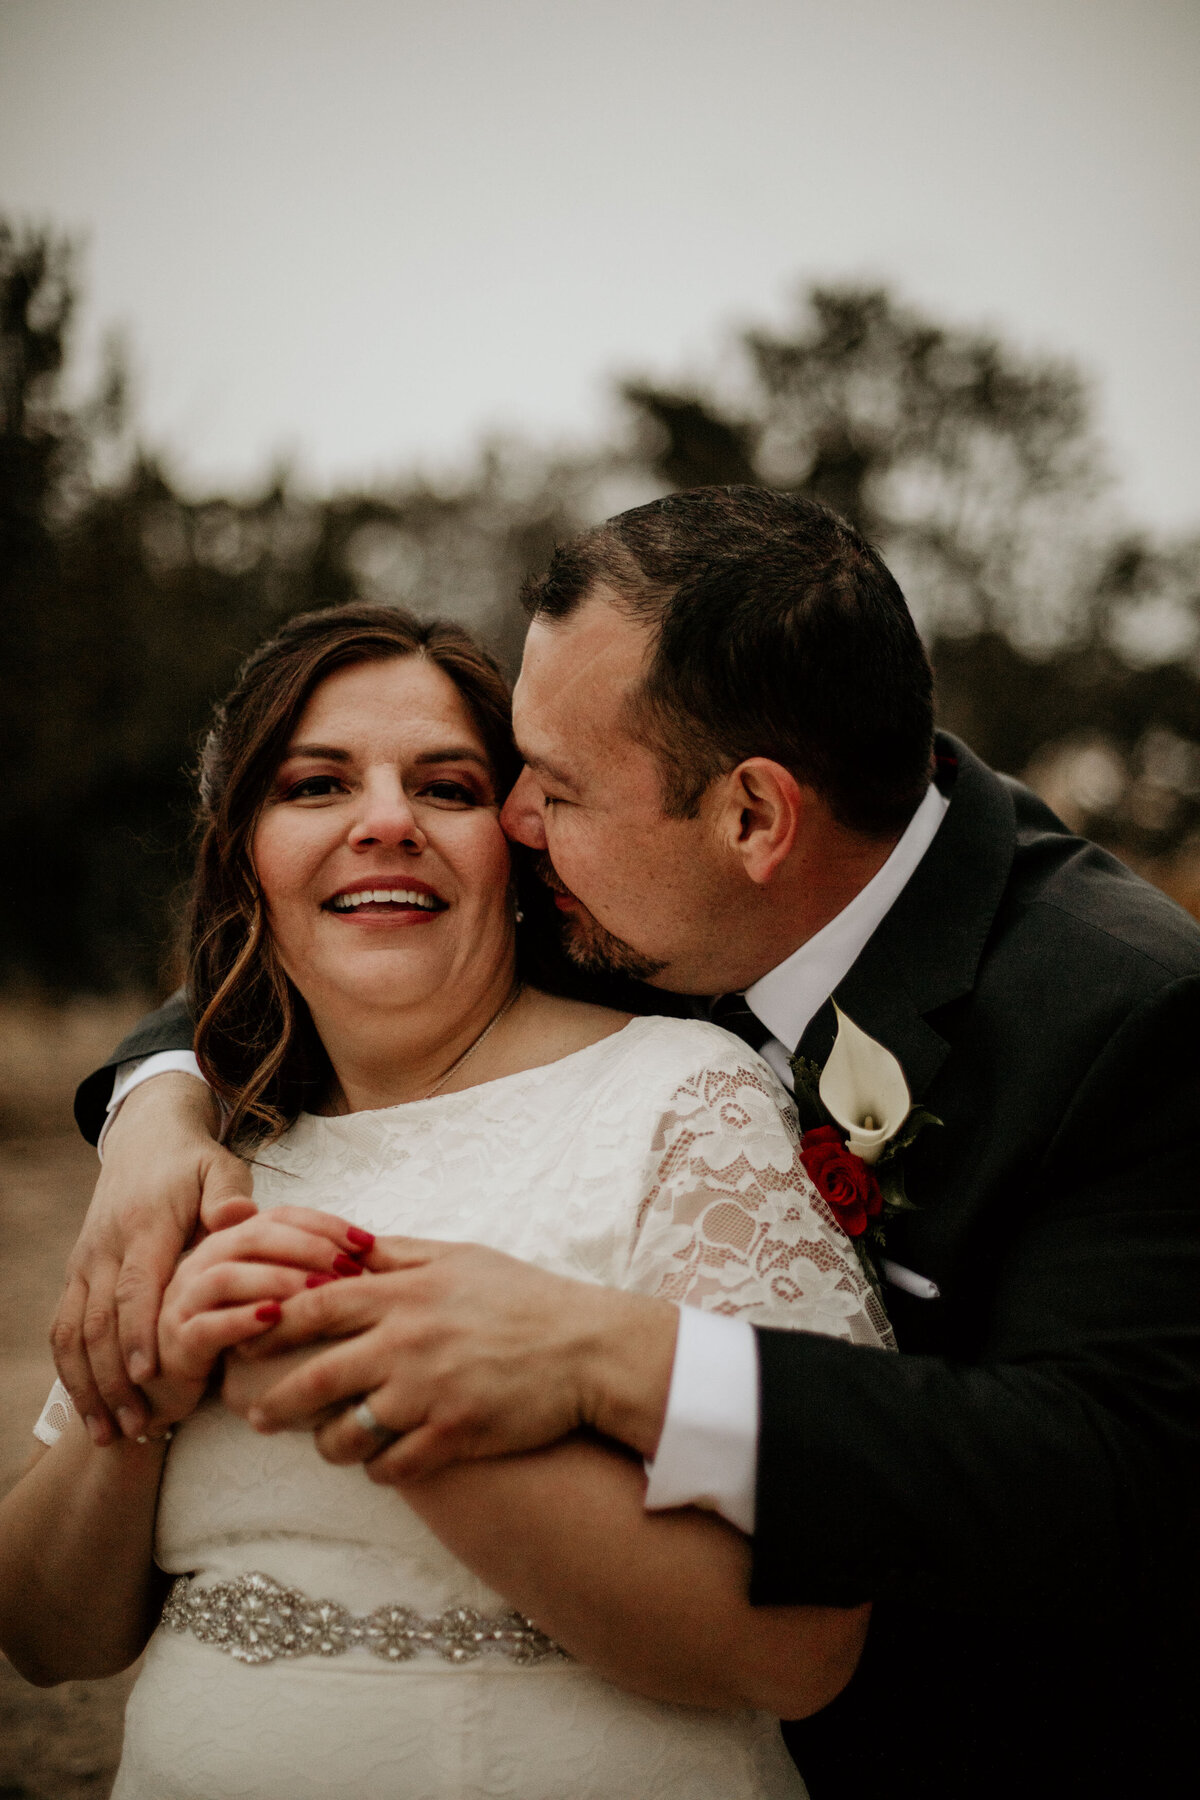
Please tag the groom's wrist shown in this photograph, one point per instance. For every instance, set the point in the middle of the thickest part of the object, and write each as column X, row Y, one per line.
column 158, row 1088
column 629, row 1351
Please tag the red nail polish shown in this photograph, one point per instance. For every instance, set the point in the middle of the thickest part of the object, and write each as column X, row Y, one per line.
column 269, row 1313
column 317, row 1280
column 364, row 1239
column 345, row 1265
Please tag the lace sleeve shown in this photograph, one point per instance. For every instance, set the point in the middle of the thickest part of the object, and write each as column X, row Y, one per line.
column 55, row 1416
column 730, row 1221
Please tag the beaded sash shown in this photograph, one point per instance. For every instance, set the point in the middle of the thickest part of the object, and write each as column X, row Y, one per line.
column 256, row 1620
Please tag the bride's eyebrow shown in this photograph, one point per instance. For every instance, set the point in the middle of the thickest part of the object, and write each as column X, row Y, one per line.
column 452, row 753
column 456, row 753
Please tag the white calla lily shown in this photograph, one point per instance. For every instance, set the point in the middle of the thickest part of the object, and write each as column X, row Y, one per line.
column 863, row 1087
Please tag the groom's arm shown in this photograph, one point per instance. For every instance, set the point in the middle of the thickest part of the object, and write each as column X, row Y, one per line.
column 655, row 1602
column 1055, row 1467
column 1046, row 1472
column 162, row 1164
column 169, row 1029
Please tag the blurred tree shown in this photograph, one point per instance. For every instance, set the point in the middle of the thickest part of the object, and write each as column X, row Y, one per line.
column 40, row 451
column 978, row 474
column 973, row 469
column 127, row 610
column 1063, row 649
column 42, row 455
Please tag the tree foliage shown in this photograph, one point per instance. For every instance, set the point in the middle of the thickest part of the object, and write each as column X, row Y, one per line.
column 1063, row 643
column 129, row 604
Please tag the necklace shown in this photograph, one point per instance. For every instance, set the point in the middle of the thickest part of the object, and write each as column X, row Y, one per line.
column 470, row 1050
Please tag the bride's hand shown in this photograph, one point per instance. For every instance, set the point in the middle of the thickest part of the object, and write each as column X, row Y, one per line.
column 464, row 1352
column 229, row 1289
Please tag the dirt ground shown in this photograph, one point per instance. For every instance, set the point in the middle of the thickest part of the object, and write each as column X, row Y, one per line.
column 55, row 1743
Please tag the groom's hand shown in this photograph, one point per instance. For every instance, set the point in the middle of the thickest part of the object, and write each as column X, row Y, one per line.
column 466, row 1353
column 161, row 1166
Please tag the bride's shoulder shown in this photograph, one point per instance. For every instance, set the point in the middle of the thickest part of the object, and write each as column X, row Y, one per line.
column 549, row 1027
column 655, row 1053
column 679, row 1051
column 694, row 1048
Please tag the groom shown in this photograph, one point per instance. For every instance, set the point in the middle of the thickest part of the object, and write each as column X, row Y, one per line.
column 726, row 716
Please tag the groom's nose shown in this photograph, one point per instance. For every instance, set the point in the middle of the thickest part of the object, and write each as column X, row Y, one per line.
column 521, row 815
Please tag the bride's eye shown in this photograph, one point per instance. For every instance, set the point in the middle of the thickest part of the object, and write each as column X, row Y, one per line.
column 457, row 792
column 313, row 787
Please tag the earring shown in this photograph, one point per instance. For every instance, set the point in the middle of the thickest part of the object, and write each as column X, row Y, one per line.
column 518, row 915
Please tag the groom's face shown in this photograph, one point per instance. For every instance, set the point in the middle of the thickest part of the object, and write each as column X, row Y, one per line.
column 640, row 892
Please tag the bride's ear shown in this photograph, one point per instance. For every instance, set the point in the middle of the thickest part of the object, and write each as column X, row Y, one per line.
column 762, row 808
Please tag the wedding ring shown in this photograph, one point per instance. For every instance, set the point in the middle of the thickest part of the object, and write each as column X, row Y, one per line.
column 363, row 1415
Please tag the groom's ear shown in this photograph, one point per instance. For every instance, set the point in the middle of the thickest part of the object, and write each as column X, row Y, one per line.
column 762, row 808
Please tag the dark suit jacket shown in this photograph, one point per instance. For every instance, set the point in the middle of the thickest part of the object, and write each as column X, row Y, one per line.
column 1014, row 1491
column 169, row 1028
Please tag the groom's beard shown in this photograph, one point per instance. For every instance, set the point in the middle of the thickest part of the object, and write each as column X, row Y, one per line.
column 586, row 941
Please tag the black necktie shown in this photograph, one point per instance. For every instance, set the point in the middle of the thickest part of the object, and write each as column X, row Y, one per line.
column 731, row 1011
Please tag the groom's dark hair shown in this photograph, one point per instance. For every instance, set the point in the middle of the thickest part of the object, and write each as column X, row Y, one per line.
column 781, row 633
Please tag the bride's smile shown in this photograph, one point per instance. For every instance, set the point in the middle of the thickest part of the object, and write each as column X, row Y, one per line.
column 366, row 902
column 384, row 872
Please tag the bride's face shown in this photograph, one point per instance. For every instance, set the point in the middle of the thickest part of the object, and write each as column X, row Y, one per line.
column 379, row 850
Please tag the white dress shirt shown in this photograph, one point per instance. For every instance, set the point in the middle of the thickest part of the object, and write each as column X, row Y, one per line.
column 708, row 1451
column 131, row 1074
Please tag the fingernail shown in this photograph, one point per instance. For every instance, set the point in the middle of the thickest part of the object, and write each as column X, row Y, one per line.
column 256, row 1418
column 364, row 1239
column 317, row 1280
column 129, row 1421
column 346, row 1265
column 140, row 1367
column 269, row 1313
column 95, row 1428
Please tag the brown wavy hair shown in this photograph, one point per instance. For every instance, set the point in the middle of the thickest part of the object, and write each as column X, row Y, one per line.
column 255, row 1040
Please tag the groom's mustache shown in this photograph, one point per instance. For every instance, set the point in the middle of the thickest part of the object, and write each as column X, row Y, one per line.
column 589, row 944
column 548, row 875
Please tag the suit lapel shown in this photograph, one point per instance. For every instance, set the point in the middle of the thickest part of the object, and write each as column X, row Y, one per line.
column 926, row 951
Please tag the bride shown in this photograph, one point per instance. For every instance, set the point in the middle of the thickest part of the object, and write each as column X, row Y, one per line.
column 371, row 1017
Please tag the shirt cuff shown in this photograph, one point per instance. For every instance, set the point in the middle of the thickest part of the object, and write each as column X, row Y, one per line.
column 708, row 1453
column 131, row 1074
column 55, row 1416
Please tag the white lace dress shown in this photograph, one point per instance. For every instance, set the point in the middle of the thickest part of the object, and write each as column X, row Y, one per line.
column 655, row 1160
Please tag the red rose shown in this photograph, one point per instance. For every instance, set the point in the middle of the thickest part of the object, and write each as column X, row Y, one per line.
column 844, row 1181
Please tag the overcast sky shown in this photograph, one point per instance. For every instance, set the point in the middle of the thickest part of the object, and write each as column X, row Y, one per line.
column 360, row 232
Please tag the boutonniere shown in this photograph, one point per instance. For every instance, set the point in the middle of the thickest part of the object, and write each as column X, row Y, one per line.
column 857, row 1118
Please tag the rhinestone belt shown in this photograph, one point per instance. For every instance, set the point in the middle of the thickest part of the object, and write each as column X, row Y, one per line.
column 256, row 1620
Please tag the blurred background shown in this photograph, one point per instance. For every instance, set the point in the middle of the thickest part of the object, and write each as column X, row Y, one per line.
column 302, row 302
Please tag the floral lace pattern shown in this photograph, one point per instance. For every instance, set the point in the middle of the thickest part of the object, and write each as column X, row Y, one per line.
column 732, row 1223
